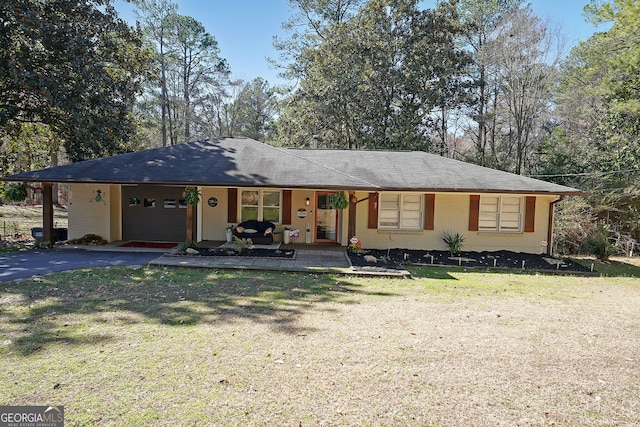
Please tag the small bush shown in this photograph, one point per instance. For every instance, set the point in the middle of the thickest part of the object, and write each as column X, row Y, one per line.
column 242, row 244
column 182, row 247
column 15, row 192
column 574, row 223
column 45, row 245
column 598, row 243
column 455, row 242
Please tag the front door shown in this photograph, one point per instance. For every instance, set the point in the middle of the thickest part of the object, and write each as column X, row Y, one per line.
column 326, row 218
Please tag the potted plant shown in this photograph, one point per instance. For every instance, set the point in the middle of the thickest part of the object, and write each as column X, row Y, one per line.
column 340, row 200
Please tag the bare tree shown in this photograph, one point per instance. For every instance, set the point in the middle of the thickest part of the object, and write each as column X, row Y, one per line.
column 479, row 19
column 523, row 55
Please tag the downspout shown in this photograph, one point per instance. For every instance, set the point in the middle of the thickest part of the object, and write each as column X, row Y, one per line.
column 552, row 209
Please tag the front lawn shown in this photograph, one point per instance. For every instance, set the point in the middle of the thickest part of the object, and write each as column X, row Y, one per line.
column 165, row 347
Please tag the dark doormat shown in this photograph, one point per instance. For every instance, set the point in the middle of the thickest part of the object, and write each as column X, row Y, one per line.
column 154, row 245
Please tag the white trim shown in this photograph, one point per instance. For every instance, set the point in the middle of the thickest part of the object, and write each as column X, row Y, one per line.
column 401, row 212
column 260, row 206
column 499, row 214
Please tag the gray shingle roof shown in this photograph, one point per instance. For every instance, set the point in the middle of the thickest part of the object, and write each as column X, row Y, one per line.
column 239, row 162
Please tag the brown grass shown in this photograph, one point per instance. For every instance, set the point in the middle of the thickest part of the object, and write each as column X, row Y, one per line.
column 15, row 219
column 449, row 348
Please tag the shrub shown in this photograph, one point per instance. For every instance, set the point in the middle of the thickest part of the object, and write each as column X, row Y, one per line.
column 45, row 245
column 455, row 242
column 242, row 244
column 574, row 223
column 598, row 243
column 182, row 247
column 15, row 192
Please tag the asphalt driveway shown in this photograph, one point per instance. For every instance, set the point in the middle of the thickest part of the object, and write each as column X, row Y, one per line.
column 20, row 265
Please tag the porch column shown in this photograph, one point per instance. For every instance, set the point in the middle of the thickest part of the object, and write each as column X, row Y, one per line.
column 47, row 212
column 190, row 213
column 353, row 200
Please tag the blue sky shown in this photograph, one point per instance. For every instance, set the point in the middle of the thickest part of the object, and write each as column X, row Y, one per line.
column 245, row 28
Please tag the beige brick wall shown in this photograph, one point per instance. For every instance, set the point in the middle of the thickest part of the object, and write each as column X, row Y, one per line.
column 298, row 201
column 452, row 215
column 115, row 212
column 213, row 220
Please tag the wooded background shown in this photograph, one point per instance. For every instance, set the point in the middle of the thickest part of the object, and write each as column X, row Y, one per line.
column 484, row 81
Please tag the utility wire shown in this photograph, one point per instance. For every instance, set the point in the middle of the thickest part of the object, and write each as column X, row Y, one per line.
column 560, row 175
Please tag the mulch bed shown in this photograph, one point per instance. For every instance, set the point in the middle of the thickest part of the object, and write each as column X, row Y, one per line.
column 254, row 253
column 400, row 258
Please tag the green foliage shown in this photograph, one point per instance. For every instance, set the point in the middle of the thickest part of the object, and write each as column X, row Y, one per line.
column 256, row 109
column 454, row 241
column 242, row 244
column 598, row 244
column 371, row 81
column 45, row 245
column 192, row 196
column 73, row 66
column 26, row 146
column 185, row 100
column 340, row 200
column 574, row 223
column 596, row 143
column 15, row 192
column 579, row 230
column 182, row 247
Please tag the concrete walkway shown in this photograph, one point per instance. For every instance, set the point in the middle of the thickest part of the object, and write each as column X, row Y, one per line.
column 305, row 261
column 317, row 260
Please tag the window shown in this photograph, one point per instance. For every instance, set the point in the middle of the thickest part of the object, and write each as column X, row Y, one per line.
column 149, row 203
column 400, row 211
column 261, row 205
column 500, row 213
column 170, row 203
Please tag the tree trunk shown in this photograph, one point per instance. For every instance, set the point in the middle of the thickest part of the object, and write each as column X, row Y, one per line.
column 482, row 106
column 163, row 88
column 163, row 102
column 187, row 99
